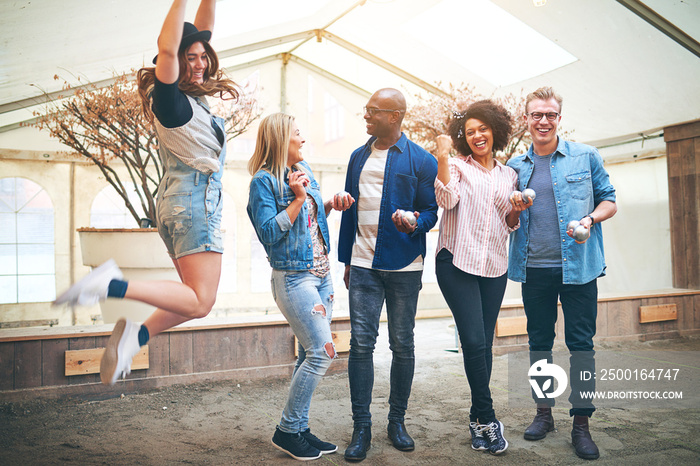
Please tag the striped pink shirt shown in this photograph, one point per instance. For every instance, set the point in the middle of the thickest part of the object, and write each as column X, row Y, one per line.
column 473, row 224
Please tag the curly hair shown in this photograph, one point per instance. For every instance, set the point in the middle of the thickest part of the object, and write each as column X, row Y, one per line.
column 495, row 116
column 215, row 81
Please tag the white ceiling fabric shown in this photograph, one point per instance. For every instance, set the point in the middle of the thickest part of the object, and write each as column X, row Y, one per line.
column 619, row 75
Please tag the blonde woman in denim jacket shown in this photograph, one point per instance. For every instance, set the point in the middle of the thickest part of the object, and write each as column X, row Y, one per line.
column 289, row 217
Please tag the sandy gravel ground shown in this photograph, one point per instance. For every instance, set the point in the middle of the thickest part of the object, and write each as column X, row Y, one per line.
column 228, row 423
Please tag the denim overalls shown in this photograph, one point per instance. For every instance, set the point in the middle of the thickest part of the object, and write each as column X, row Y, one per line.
column 188, row 209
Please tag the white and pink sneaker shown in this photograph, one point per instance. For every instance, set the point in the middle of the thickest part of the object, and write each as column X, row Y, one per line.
column 121, row 348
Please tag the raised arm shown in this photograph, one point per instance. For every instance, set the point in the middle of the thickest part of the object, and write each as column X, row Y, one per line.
column 167, row 66
column 444, row 144
column 204, row 21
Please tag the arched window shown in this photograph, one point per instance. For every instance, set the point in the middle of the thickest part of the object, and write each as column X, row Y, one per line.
column 27, row 260
column 108, row 209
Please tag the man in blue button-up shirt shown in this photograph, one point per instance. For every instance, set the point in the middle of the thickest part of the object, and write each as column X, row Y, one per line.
column 383, row 255
column 570, row 184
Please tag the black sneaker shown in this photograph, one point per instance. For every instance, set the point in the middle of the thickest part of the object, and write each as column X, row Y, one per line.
column 311, row 439
column 497, row 443
column 295, row 446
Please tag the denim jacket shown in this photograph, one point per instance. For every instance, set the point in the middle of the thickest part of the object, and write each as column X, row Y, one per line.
column 288, row 245
column 408, row 184
column 580, row 183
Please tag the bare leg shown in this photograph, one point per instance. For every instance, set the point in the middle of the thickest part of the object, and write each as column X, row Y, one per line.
column 180, row 302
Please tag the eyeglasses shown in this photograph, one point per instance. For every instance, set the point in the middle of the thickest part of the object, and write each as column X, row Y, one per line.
column 537, row 116
column 371, row 110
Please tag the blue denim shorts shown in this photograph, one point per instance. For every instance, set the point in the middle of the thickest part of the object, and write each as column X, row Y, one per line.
column 189, row 214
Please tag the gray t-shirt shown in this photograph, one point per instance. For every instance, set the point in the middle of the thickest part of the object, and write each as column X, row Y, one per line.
column 544, row 248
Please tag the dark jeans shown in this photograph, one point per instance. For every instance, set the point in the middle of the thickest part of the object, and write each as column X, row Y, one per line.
column 368, row 290
column 580, row 306
column 475, row 303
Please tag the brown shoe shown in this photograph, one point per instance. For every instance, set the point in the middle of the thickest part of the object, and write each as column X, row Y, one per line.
column 543, row 423
column 582, row 441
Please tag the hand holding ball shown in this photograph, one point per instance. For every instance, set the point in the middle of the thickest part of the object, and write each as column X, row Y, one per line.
column 528, row 195
column 581, row 233
column 409, row 216
column 341, row 196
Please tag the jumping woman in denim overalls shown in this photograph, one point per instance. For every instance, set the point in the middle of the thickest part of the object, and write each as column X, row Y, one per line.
column 289, row 217
column 192, row 147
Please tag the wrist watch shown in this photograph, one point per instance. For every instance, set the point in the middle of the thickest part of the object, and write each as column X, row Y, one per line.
column 591, row 217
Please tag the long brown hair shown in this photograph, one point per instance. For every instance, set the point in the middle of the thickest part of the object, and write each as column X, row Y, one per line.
column 215, row 81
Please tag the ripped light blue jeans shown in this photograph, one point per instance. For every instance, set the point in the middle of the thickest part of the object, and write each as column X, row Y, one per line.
column 306, row 301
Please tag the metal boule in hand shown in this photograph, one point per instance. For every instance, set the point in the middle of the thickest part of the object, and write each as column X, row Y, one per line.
column 581, row 233
column 572, row 225
column 529, row 195
column 409, row 216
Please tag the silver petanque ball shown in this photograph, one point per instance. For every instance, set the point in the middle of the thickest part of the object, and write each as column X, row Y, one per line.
column 343, row 195
column 409, row 216
column 581, row 233
column 529, row 195
column 572, row 225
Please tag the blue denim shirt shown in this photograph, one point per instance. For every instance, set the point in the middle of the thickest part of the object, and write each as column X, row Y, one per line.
column 580, row 183
column 408, row 184
column 288, row 245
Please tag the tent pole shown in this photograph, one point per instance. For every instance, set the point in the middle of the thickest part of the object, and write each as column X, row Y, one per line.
column 283, row 82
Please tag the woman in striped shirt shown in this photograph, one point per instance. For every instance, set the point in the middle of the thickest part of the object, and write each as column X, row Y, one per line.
column 473, row 189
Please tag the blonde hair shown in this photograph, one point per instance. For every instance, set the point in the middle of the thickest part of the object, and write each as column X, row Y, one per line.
column 543, row 93
column 215, row 81
column 272, row 146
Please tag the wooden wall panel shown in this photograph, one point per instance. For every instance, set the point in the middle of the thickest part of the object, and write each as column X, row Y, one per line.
column 215, row 350
column 690, row 214
column 80, row 344
column 559, row 326
column 249, row 352
column 52, row 360
column 622, row 317
column 7, row 366
column 683, row 131
column 268, row 346
column 27, row 364
column 159, row 355
column 601, row 323
column 510, row 326
column 181, row 361
column 88, row 361
column 675, row 200
column 683, row 161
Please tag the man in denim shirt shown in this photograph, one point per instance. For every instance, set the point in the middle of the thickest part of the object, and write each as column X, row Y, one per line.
column 571, row 184
column 383, row 256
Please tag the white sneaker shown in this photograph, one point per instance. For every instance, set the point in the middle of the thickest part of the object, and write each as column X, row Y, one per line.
column 93, row 287
column 121, row 348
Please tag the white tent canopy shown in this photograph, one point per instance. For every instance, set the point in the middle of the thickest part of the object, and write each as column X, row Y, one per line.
column 620, row 76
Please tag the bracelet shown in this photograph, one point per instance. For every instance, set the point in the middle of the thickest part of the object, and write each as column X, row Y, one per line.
column 591, row 217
